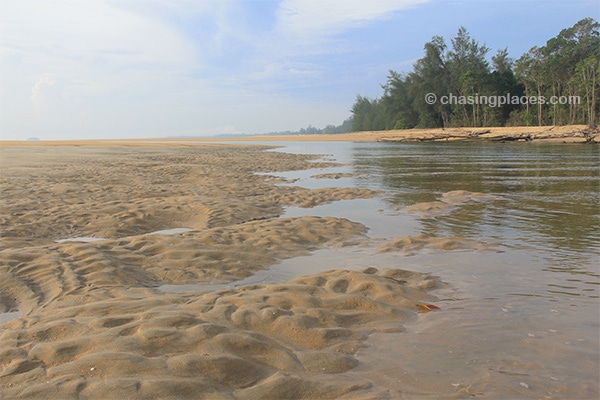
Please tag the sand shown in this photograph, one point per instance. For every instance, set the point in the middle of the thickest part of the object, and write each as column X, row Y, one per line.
column 556, row 134
column 81, row 266
column 448, row 202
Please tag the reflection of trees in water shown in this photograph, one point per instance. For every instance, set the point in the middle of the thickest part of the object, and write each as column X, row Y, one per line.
column 549, row 193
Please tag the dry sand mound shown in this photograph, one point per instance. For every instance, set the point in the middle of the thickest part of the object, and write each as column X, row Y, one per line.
column 558, row 134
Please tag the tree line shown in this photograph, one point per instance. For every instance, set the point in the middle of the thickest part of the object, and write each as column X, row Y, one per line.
column 344, row 127
column 565, row 69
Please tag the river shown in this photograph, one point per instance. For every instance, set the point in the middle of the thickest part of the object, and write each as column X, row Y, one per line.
column 520, row 319
column 520, row 310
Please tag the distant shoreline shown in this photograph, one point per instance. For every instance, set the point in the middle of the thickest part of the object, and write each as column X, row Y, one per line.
column 545, row 134
column 559, row 134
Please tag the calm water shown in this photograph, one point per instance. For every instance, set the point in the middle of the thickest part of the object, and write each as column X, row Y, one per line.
column 519, row 321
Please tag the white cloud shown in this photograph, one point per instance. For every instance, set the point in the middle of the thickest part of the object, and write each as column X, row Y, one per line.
column 168, row 67
column 65, row 59
column 90, row 44
column 45, row 90
column 313, row 18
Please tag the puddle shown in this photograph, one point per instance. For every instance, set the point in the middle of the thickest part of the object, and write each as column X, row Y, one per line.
column 89, row 239
column 86, row 239
column 504, row 330
column 9, row 316
column 311, row 179
column 352, row 258
column 373, row 213
column 173, row 231
column 264, row 276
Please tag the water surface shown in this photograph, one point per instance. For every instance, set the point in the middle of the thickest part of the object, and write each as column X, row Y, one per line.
column 518, row 321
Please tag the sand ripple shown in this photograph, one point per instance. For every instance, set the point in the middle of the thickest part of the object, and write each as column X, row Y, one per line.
column 93, row 322
column 262, row 341
column 413, row 243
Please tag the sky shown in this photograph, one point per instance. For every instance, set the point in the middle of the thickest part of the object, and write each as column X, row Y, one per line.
column 83, row 69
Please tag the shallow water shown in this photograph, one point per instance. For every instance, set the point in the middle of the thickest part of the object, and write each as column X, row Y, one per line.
column 88, row 239
column 520, row 320
column 9, row 316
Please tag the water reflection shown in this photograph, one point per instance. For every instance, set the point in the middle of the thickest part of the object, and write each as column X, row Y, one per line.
column 544, row 197
column 547, row 195
column 517, row 323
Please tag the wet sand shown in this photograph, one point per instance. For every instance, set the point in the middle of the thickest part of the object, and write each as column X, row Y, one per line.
column 183, row 269
column 91, row 319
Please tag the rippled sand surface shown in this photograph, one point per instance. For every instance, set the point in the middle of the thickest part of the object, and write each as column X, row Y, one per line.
column 81, row 263
column 183, row 269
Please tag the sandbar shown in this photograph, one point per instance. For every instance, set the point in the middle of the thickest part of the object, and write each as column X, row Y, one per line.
column 92, row 320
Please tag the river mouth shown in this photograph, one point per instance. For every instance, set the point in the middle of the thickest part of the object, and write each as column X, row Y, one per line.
column 519, row 319
column 511, row 232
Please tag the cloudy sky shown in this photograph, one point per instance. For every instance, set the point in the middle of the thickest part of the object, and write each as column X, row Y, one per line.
column 157, row 68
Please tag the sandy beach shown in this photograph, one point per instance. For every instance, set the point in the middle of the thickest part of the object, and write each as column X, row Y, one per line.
column 97, row 235
column 560, row 134
column 86, row 246
column 299, row 200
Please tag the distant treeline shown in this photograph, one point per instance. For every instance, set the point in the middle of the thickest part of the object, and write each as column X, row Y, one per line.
column 568, row 65
column 345, row 127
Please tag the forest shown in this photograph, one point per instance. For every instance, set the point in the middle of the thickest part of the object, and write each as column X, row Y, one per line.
column 565, row 68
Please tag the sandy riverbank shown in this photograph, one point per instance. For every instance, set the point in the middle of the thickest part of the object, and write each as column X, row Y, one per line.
column 549, row 134
column 93, row 323
column 560, row 134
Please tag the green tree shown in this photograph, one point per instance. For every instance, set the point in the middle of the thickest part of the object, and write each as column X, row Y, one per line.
column 501, row 62
column 469, row 70
column 530, row 70
column 566, row 65
column 367, row 114
column 503, row 82
column 431, row 75
column 398, row 101
column 588, row 74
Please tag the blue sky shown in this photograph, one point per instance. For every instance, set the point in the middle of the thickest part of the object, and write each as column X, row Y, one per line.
column 75, row 69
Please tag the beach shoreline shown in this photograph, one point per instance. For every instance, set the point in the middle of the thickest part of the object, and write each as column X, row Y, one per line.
column 536, row 134
column 544, row 134
column 173, row 268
